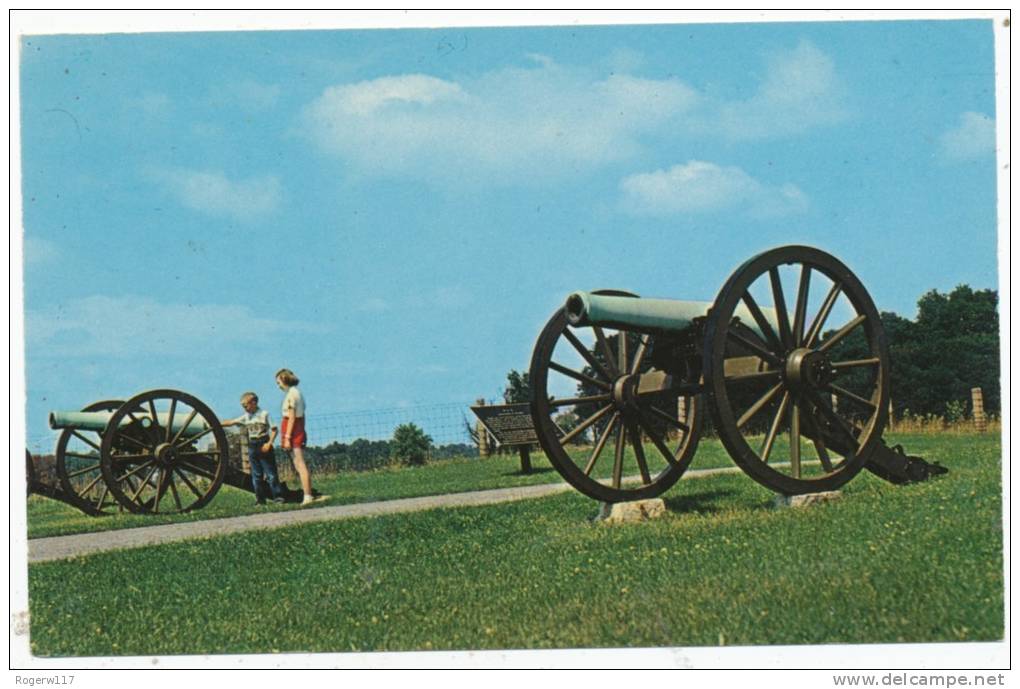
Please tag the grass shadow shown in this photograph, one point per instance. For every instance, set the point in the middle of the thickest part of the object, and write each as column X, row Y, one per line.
column 708, row 502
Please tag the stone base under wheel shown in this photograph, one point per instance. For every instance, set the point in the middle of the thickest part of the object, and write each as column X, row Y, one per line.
column 631, row 512
column 807, row 498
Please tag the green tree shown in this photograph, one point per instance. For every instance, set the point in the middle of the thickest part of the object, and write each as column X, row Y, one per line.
column 518, row 388
column 410, row 445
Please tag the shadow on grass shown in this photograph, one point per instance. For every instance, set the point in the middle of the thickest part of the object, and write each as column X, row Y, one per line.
column 708, row 502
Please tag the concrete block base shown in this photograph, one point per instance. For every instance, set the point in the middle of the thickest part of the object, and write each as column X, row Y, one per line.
column 631, row 512
column 807, row 498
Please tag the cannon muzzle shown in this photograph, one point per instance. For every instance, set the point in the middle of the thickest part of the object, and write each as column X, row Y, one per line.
column 649, row 315
column 98, row 420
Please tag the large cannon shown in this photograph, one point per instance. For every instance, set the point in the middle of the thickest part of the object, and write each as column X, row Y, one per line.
column 161, row 451
column 799, row 404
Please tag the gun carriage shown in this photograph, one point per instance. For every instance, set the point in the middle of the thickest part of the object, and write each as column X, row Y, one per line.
column 162, row 451
column 790, row 363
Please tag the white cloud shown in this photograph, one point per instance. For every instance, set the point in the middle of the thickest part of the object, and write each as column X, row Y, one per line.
column 701, row 187
column 547, row 120
column 128, row 325
column 800, row 90
column 214, row 193
column 972, row 138
column 508, row 125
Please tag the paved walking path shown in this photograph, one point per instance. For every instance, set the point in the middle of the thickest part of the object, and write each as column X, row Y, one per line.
column 59, row 547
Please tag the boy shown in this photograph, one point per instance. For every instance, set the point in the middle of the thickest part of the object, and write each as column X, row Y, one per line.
column 261, row 434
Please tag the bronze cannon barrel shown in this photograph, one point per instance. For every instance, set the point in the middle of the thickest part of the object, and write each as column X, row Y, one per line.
column 648, row 315
column 98, row 421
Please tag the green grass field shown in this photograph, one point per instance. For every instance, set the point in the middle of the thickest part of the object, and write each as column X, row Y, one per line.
column 51, row 518
column 916, row 563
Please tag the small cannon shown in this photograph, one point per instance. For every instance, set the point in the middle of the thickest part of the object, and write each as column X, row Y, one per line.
column 799, row 406
column 161, row 451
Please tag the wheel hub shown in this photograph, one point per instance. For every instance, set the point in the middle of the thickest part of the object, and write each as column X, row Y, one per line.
column 625, row 391
column 165, row 454
column 808, row 368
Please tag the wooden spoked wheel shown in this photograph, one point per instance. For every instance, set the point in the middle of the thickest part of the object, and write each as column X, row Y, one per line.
column 78, row 465
column 808, row 415
column 614, row 427
column 164, row 451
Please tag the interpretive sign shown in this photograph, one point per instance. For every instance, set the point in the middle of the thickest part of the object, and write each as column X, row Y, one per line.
column 509, row 424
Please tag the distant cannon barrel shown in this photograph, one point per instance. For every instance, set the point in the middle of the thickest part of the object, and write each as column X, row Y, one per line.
column 649, row 315
column 98, row 420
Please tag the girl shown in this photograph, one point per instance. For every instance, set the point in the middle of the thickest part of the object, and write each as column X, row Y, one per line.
column 293, row 428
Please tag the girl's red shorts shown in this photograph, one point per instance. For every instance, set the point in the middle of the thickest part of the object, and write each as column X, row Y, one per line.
column 297, row 438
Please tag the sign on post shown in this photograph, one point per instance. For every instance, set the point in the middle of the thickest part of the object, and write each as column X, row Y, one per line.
column 510, row 425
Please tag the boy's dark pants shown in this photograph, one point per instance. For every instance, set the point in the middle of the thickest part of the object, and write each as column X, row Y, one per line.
column 263, row 466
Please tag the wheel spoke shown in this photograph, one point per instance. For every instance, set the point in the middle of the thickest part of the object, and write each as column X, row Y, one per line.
column 159, row 490
column 188, row 483
column 656, row 440
column 758, row 375
column 843, row 332
column 819, row 441
column 834, row 419
column 780, row 302
column 145, row 482
column 102, row 497
column 763, row 324
column 666, row 417
column 816, row 326
column 621, row 443
column 193, row 438
column 583, row 351
column 85, row 440
column 600, row 444
column 88, row 487
column 583, row 426
column 755, row 347
column 566, row 401
column 187, row 422
column 766, row 448
column 134, row 471
column 842, row 392
column 604, row 345
column 173, row 489
column 201, row 471
column 639, row 453
column 795, row 440
column 802, row 299
column 839, row 365
column 79, row 472
column 132, row 440
column 757, row 406
column 170, row 418
column 639, row 355
column 621, row 349
column 559, row 368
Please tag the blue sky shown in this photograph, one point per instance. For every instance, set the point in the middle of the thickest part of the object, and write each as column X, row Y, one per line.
column 394, row 214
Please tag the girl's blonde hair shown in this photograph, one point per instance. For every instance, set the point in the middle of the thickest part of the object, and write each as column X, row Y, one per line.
column 287, row 376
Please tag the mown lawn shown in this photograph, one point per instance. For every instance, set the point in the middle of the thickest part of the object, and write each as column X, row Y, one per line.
column 51, row 518
column 916, row 563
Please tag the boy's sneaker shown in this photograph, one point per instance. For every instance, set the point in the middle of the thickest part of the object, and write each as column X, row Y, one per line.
column 279, row 501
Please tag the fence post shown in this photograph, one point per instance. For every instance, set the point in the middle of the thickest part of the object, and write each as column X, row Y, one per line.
column 483, row 433
column 978, row 402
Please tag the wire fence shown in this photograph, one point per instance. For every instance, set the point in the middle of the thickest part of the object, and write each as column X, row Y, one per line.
column 444, row 423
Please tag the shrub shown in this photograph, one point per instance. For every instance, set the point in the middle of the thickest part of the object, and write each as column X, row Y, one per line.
column 410, row 445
